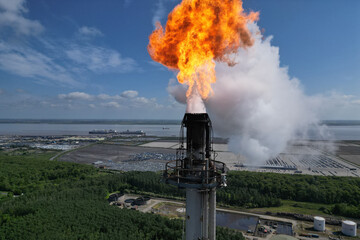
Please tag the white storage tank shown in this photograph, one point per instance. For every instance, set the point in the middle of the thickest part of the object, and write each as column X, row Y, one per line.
column 348, row 228
column 319, row 224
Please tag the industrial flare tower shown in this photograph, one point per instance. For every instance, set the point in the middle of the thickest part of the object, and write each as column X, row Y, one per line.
column 196, row 170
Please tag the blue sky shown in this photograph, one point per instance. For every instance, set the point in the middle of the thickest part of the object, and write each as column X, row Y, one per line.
column 88, row 59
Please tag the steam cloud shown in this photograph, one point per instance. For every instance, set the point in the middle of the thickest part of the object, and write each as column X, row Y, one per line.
column 255, row 103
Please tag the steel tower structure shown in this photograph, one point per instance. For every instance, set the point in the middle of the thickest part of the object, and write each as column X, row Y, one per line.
column 196, row 170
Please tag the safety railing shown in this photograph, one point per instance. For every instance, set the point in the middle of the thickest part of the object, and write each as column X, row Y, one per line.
column 203, row 175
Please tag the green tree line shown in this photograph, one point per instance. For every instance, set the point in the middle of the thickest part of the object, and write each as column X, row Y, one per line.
column 67, row 201
column 59, row 200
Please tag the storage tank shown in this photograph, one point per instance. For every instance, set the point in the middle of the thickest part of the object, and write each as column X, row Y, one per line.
column 129, row 202
column 141, row 201
column 121, row 197
column 348, row 228
column 319, row 224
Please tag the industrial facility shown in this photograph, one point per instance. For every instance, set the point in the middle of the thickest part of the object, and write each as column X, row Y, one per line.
column 348, row 228
column 196, row 170
column 319, row 224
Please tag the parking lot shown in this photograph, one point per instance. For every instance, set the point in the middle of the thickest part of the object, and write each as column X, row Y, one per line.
column 313, row 157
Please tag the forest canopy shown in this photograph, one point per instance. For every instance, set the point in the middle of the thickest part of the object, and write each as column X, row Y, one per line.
column 61, row 200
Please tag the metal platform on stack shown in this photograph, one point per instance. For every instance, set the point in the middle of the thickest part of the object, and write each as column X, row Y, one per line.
column 196, row 170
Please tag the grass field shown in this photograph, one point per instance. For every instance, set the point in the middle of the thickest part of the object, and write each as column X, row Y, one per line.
column 42, row 154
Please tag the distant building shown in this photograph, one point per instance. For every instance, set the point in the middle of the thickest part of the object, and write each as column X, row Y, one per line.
column 102, row 131
column 128, row 132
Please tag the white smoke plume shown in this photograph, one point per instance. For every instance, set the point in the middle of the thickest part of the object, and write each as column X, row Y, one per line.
column 255, row 103
column 194, row 103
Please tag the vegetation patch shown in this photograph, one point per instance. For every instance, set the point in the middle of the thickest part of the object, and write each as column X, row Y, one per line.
column 67, row 201
column 61, row 200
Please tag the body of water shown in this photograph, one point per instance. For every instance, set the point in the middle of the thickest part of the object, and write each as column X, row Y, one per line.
column 334, row 132
column 45, row 129
column 236, row 221
column 345, row 132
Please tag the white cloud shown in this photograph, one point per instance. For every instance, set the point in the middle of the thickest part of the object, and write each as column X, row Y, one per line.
column 11, row 15
column 61, row 62
column 109, row 97
column 129, row 94
column 356, row 101
column 111, row 104
column 86, row 31
column 338, row 106
column 142, row 100
column 347, row 96
column 45, row 67
column 99, row 59
column 83, row 105
column 127, row 100
column 20, row 90
column 127, row 3
column 75, row 96
column 16, row 6
column 158, row 66
column 159, row 12
column 26, row 62
column 150, row 103
column 104, row 96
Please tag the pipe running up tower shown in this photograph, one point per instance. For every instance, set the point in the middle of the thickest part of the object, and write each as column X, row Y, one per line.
column 196, row 170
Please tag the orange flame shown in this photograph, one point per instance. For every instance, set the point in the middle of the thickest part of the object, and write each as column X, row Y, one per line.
column 198, row 33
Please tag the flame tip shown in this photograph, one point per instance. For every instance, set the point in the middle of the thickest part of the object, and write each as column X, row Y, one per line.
column 197, row 33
